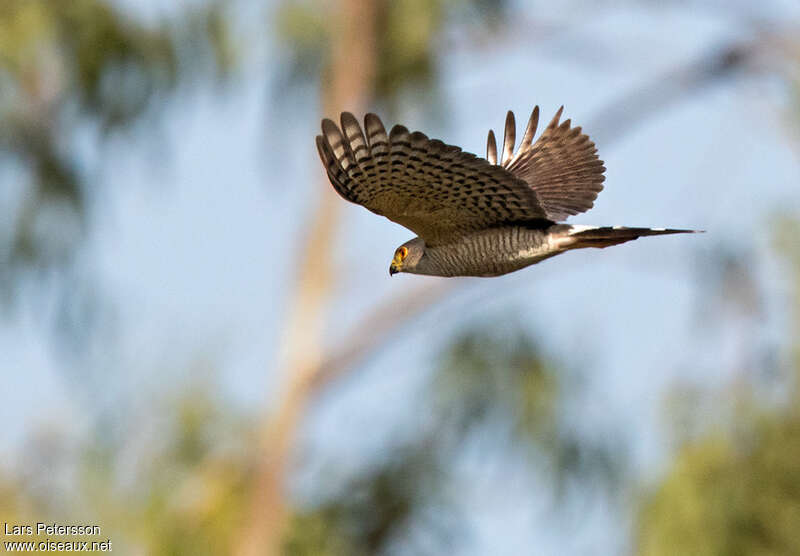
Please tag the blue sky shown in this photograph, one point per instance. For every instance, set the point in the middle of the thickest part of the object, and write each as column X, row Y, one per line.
column 192, row 239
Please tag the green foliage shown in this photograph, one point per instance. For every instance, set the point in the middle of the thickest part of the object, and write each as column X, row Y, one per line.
column 183, row 491
column 408, row 36
column 786, row 233
column 373, row 510
column 484, row 373
column 488, row 376
column 486, row 380
column 737, row 495
column 317, row 533
column 190, row 497
column 736, row 489
column 66, row 64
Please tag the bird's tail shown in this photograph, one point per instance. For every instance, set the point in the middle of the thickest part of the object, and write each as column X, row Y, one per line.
column 577, row 237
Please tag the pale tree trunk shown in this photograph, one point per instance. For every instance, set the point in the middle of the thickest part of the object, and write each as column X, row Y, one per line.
column 347, row 86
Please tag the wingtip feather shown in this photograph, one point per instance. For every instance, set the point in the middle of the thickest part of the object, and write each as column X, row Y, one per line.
column 509, row 137
column 530, row 130
column 554, row 122
column 491, row 148
column 329, row 126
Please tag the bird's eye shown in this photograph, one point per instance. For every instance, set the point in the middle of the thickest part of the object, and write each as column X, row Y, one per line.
column 402, row 252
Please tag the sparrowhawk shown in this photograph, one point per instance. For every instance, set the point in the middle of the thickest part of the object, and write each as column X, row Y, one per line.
column 473, row 216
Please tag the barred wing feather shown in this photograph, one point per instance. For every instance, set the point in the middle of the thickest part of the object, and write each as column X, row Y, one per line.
column 436, row 190
column 562, row 166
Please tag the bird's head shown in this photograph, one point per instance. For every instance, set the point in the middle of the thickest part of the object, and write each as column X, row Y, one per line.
column 407, row 257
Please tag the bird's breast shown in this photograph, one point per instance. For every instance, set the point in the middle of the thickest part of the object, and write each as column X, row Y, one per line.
column 492, row 252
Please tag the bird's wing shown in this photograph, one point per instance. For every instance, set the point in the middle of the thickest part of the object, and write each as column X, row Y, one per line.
column 562, row 167
column 436, row 190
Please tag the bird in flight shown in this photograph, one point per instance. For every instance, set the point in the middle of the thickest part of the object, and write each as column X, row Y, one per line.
column 473, row 216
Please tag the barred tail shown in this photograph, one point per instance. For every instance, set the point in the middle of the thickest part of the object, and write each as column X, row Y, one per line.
column 577, row 237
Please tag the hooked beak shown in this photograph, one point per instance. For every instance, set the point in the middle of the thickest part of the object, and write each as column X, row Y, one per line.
column 393, row 269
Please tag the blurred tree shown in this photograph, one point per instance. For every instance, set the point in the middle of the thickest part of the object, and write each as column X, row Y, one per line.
column 67, row 64
column 375, row 509
column 179, row 479
column 486, row 381
column 406, row 45
column 363, row 51
column 736, row 489
column 177, row 485
column 358, row 51
column 730, row 493
column 734, row 486
column 488, row 376
column 788, row 230
column 188, row 493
